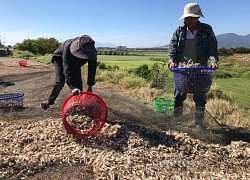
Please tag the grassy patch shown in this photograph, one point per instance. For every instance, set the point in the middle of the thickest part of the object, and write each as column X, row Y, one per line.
column 44, row 59
column 238, row 88
column 232, row 77
column 127, row 62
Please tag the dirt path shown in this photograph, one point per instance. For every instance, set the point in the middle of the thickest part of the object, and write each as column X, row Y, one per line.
column 132, row 127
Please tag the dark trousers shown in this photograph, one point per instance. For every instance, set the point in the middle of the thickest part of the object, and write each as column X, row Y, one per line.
column 200, row 100
column 60, row 79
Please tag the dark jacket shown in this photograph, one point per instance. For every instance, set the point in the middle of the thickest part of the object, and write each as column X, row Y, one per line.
column 70, row 62
column 205, row 43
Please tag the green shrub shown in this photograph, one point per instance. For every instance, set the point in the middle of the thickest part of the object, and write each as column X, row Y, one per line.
column 133, row 81
column 101, row 65
column 23, row 54
column 112, row 68
column 225, row 52
column 39, row 46
column 158, row 76
column 143, row 71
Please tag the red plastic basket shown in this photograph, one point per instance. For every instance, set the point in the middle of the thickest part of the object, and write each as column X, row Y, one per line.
column 88, row 103
column 23, row 62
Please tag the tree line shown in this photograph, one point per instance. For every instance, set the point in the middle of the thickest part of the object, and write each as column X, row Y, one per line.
column 231, row 51
column 39, row 46
column 42, row 46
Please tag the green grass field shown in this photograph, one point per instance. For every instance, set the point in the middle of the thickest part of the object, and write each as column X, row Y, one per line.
column 126, row 62
column 239, row 88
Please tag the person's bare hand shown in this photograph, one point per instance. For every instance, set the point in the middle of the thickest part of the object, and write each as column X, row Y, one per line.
column 214, row 65
column 171, row 65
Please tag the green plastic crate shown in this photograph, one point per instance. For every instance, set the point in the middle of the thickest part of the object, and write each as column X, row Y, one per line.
column 163, row 105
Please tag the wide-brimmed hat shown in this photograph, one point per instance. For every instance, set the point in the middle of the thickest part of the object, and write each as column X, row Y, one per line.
column 84, row 48
column 192, row 10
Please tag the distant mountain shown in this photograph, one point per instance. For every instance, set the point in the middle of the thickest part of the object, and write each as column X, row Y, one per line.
column 231, row 40
column 226, row 40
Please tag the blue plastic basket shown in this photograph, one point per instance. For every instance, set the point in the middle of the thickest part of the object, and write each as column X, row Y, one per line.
column 11, row 100
column 193, row 80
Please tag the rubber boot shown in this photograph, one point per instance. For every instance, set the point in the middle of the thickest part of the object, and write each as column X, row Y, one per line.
column 199, row 115
column 46, row 105
column 178, row 109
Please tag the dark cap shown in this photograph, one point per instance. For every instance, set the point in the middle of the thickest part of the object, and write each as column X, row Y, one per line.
column 84, row 48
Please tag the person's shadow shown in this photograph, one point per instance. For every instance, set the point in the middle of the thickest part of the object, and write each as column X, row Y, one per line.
column 120, row 139
column 155, row 136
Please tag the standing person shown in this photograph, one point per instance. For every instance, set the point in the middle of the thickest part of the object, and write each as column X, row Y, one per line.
column 8, row 52
column 192, row 42
column 68, row 59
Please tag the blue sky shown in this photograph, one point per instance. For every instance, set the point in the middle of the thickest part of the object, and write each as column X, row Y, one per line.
column 131, row 23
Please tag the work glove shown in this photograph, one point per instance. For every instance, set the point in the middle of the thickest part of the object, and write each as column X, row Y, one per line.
column 76, row 92
column 89, row 89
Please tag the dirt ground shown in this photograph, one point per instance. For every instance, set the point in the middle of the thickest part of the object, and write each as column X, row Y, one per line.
column 36, row 80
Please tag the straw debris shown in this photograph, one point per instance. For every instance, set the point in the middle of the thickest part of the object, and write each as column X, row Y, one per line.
column 118, row 151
